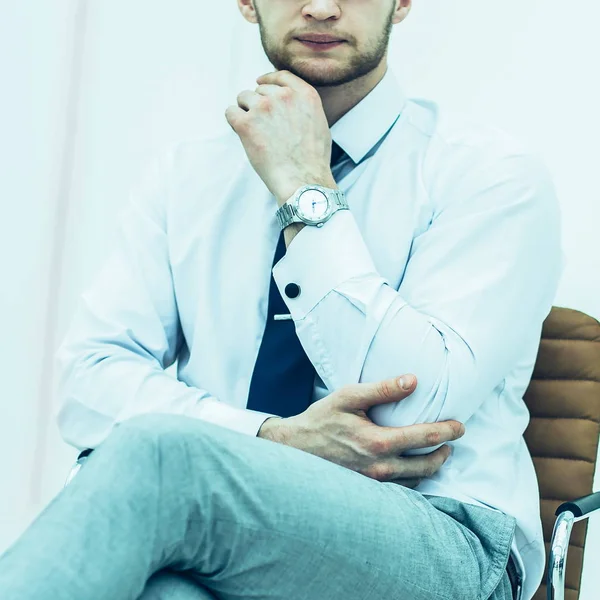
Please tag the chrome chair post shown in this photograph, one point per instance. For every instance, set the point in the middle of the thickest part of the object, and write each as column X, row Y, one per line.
column 557, row 562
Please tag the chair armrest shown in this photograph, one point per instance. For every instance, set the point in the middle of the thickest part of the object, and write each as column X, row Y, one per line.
column 582, row 506
column 567, row 514
column 83, row 456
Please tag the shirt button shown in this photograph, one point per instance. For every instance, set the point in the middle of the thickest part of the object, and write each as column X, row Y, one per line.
column 292, row 290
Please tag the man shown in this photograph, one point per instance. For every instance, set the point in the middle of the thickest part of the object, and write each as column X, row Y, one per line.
column 285, row 461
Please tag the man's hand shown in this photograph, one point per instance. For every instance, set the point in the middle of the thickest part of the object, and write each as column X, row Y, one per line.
column 338, row 429
column 285, row 133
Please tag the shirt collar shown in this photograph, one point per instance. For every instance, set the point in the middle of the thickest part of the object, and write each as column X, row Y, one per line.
column 367, row 122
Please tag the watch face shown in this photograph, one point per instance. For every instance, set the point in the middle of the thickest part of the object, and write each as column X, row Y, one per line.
column 313, row 205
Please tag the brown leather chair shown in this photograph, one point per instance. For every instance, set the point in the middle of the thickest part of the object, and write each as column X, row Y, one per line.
column 563, row 398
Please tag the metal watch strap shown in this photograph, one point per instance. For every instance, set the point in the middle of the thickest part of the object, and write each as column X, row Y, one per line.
column 286, row 213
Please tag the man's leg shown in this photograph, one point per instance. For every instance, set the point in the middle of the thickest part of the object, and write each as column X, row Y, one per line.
column 246, row 516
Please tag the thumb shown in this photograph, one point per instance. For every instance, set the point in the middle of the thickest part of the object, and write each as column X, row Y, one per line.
column 385, row 391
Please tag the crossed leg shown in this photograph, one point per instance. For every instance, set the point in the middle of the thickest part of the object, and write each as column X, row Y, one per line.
column 244, row 518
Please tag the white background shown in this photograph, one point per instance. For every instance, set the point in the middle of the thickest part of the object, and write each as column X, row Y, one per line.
column 90, row 90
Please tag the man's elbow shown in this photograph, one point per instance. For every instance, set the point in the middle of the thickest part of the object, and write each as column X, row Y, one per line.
column 78, row 423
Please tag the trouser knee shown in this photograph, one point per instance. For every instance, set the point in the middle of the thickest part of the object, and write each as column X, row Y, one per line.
column 149, row 438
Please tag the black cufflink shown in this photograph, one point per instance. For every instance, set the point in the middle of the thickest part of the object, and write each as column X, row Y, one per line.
column 292, row 290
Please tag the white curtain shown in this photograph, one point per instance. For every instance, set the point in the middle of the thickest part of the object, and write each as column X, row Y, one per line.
column 91, row 89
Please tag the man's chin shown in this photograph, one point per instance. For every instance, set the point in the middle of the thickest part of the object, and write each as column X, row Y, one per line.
column 318, row 75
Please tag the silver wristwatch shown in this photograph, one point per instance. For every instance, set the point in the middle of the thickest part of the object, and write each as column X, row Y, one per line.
column 312, row 205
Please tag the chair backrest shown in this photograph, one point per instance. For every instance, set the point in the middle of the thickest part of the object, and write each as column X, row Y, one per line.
column 563, row 398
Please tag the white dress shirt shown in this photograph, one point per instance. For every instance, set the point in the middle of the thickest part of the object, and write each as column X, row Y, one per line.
column 445, row 266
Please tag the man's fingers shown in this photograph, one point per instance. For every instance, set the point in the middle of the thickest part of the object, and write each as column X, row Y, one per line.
column 362, row 396
column 396, row 440
column 268, row 89
column 287, row 79
column 409, row 467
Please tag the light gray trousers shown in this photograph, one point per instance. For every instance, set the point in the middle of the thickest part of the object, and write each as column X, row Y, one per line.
column 171, row 507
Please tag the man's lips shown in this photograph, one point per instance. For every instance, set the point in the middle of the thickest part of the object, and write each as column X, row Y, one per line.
column 318, row 39
column 317, row 47
column 321, row 43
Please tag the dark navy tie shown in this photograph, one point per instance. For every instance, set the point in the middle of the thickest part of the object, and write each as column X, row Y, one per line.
column 283, row 378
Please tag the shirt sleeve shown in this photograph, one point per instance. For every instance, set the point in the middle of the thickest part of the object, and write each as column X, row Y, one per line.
column 126, row 332
column 477, row 286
